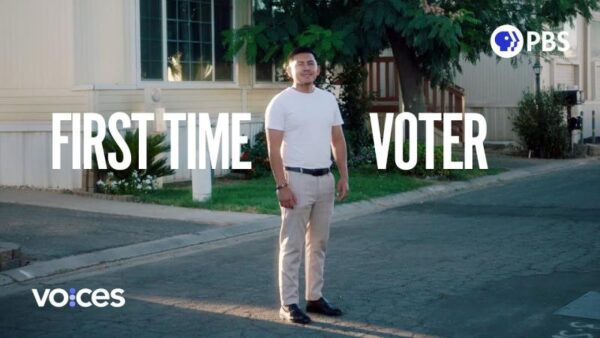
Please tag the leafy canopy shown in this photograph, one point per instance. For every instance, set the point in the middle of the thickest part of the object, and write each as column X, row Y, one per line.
column 440, row 33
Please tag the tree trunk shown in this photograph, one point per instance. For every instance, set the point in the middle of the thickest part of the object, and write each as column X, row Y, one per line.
column 411, row 77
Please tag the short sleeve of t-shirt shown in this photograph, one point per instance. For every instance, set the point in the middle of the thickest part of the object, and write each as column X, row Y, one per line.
column 275, row 115
column 337, row 116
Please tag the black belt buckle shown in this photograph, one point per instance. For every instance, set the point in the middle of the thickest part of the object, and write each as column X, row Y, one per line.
column 313, row 172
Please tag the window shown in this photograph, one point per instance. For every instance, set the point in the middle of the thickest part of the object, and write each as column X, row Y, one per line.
column 180, row 40
column 269, row 72
column 264, row 11
column 264, row 71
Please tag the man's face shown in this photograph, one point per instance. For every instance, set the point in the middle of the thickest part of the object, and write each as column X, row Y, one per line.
column 303, row 69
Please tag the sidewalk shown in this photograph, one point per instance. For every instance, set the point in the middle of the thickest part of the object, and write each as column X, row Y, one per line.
column 119, row 233
column 54, row 199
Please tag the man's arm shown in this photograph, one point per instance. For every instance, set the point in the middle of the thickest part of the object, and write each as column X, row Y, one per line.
column 338, row 145
column 274, row 141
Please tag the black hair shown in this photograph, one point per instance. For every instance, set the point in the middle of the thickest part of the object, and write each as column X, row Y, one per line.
column 300, row 50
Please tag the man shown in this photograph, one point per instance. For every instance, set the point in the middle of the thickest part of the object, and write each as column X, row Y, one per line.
column 304, row 125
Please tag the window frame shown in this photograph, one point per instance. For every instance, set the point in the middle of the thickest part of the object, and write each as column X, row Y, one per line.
column 273, row 84
column 165, row 83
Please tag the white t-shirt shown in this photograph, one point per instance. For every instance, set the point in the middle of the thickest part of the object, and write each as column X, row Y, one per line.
column 306, row 120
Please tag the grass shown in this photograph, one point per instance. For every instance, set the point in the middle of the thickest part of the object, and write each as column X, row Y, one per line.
column 464, row 175
column 370, row 183
column 255, row 195
column 258, row 195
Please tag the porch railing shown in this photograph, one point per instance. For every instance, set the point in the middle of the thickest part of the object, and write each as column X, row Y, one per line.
column 384, row 83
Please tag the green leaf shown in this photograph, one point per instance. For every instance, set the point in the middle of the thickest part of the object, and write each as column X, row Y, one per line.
column 251, row 52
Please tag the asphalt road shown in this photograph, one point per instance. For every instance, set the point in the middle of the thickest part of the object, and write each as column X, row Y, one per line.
column 497, row 262
column 47, row 233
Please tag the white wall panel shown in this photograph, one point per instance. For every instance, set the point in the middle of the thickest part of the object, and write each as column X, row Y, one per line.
column 566, row 75
column 492, row 83
column 499, row 125
column 36, row 44
column 102, row 42
column 26, row 158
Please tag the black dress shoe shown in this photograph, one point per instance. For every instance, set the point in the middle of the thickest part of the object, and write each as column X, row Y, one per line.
column 293, row 314
column 323, row 307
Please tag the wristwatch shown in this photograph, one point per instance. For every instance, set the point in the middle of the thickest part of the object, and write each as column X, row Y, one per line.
column 279, row 187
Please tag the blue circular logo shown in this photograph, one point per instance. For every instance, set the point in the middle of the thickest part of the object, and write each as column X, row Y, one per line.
column 507, row 41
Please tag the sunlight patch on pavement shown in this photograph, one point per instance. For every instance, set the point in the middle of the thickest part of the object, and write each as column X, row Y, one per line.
column 329, row 325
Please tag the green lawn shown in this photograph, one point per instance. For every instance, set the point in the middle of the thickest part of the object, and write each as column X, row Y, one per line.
column 463, row 175
column 258, row 196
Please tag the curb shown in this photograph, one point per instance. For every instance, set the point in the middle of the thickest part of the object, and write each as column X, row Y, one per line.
column 363, row 208
column 342, row 212
column 76, row 262
column 10, row 256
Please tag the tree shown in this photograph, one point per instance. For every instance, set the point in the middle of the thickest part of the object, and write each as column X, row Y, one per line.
column 429, row 39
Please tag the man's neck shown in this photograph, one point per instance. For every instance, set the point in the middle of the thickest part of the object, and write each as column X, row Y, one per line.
column 304, row 88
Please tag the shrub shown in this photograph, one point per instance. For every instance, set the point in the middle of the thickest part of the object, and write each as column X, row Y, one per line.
column 354, row 103
column 363, row 156
column 133, row 175
column 419, row 170
column 541, row 125
column 258, row 154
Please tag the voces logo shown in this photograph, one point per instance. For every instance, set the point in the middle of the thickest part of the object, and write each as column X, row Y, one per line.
column 84, row 297
column 507, row 41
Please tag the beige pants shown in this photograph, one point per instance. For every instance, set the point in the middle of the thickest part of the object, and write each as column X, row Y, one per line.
column 306, row 226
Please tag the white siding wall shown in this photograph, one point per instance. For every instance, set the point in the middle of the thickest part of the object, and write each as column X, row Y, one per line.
column 207, row 100
column 26, row 153
column 499, row 125
column 493, row 89
column 104, row 42
column 36, row 44
column 566, row 75
column 36, row 57
column 38, row 104
column 107, row 102
column 490, row 83
column 258, row 99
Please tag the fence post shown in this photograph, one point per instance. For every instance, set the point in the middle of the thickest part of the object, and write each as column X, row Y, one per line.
column 581, row 126
column 593, row 126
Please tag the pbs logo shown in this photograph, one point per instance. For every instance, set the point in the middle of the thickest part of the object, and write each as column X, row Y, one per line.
column 507, row 41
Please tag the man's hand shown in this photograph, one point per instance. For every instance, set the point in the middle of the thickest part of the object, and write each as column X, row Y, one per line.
column 286, row 198
column 338, row 145
column 284, row 195
column 342, row 189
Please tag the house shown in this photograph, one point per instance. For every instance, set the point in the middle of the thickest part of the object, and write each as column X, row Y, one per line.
column 106, row 56
column 493, row 88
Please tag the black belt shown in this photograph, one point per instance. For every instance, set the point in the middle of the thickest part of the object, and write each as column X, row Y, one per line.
column 314, row 172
